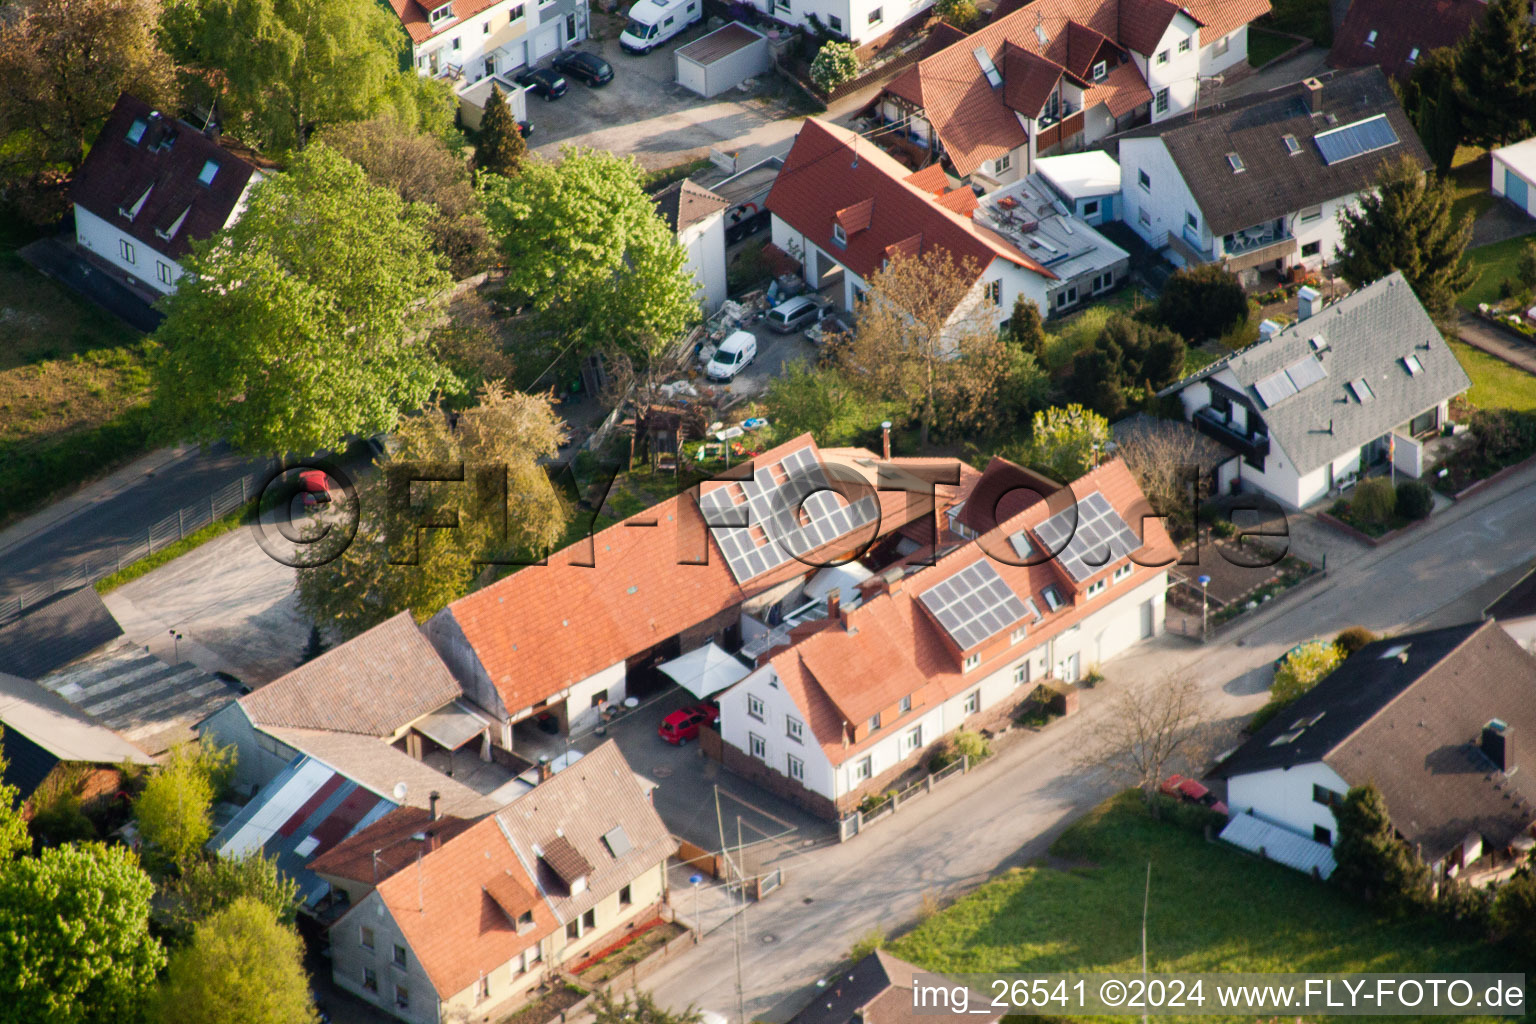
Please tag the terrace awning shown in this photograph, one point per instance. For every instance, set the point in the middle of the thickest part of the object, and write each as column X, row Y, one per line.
column 706, row 670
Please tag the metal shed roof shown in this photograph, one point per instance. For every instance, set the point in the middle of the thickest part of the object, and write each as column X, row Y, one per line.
column 722, row 42
column 1279, row 844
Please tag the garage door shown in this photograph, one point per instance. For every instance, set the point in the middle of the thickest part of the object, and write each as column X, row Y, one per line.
column 691, row 75
column 512, row 56
column 1515, row 189
column 546, row 42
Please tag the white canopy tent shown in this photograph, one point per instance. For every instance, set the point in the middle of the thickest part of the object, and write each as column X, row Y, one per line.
column 706, row 670
column 845, row 577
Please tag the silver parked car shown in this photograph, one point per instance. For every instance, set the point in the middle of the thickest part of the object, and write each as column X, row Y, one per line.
column 799, row 312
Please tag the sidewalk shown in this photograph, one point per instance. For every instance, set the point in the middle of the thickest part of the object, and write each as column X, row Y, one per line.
column 1517, row 353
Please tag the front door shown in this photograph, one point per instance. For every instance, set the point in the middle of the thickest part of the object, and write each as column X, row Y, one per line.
column 1148, row 619
column 570, row 28
column 1069, row 668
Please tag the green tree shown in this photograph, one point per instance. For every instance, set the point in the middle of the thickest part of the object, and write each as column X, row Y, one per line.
column 210, row 884
column 1352, row 638
column 1303, row 669
column 1496, row 66
column 1407, row 225
column 62, row 67
column 1126, row 356
column 75, row 939
column 421, row 169
column 1023, row 386
column 1525, row 265
column 959, row 13
column 639, row 1008
column 175, row 810
column 1066, row 441
column 501, row 149
column 1371, row 861
column 369, row 582
column 835, row 63
column 589, row 263
column 1202, row 302
column 1026, row 329
column 1374, row 501
column 1439, row 123
column 1514, row 909
column 823, row 401
column 291, row 66
column 242, row 966
column 13, row 828
column 303, row 324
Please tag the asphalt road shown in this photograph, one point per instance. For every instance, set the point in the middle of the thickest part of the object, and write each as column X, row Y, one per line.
column 1008, row 811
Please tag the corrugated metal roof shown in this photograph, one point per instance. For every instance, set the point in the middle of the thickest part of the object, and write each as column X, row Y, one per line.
column 722, row 42
column 1279, row 844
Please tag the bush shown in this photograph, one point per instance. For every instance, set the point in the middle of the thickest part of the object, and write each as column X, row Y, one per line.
column 1204, row 302
column 960, row 13
column 1352, row 639
column 1503, row 434
column 835, row 64
column 971, row 744
column 867, row 943
column 1414, row 500
column 1375, row 500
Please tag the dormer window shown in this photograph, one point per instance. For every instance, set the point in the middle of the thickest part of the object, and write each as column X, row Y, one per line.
column 1101, row 71
column 972, row 660
column 441, row 15
column 1095, row 588
column 133, row 211
column 1413, row 55
column 567, row 863
column 1053, row 598
column 874, row 722
column 906, row 704
column 170, row 232
column 839, row 235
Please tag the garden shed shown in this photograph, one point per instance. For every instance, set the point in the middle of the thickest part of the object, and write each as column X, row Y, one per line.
column 726, row 57
column 1514, row 174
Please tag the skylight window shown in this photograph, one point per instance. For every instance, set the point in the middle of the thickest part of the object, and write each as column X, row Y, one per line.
column 1319, row 343
column 1370, row 39
column 1040, row 35
column 1395, row 651
column 1292, row 147
column 1053, row 599
column 442, row 14
column 1362, row 390
column 136, row 131
column 1412, row 365
column 1236, row 163
column 987, row 67
column 1286, row 737
column 206, row 175
column 1413, row 55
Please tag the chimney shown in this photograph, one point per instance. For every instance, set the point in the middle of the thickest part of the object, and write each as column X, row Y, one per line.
column 1308, row 301
column 432, row 799
column 1314, row 95
column 544, row 770
column 1268, row 329
column 835, row 603
column 885, row 440
column 1496, row 745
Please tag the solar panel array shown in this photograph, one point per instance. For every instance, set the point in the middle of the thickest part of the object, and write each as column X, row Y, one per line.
column 1352, row 140
column 1100, row 533
column 766, row 530
column 1299, row 376
column 973, row 604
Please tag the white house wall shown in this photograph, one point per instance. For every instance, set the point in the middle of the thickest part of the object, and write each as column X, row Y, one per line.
column 609, row 683
column 105, row 240
column 705, row 245
column 1283, row 796
column 1166, row 201
column 851, row 18
column 736, row 725
column 1214, row 63
column 1181, row 73
column 514, row 33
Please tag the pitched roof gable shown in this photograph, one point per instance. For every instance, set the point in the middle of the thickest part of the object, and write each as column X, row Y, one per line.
column 413, row 15
column 683, row 204
column 49, row 635
column 158, row 177
column 374, row 685
column 376, row 852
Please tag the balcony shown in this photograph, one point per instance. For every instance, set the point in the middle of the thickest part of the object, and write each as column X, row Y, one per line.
column 1058, row 132
column 1253, row 247
column 1209, row 423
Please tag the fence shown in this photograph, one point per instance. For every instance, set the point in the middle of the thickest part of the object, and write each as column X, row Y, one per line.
column 174, row 527
column 859, row 820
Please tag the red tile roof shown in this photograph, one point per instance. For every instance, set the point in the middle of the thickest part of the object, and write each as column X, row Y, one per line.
column 413, row 15
column 450, row 907
column 1004, row 490
column 1401, row 26
column 1218, row 18
column 177, row 207
column 388, row 845
column 828, row 166
column 930, row 179
column 635, row 584
column 890, row 646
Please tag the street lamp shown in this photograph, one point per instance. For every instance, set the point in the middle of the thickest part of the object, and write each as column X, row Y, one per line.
column 698, row 925
column 176, row 639
column 1204, row 581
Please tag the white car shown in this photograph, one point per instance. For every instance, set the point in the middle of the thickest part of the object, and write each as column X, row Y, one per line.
column 732, row 356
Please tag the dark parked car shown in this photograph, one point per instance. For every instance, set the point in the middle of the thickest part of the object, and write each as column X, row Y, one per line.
column 588, row 67
column 546, row 82
column 525, row 128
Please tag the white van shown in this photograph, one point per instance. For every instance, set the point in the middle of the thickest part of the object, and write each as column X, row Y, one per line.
column 732, row 357
column 653, row 22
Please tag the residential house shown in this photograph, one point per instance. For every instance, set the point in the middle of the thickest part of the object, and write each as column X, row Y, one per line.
column 1089, row 183
column 49, row 746
column 1514, row 175
column 464, row 41
column 150, row 186
column 1395, row 34
column 878, row 990
column 1057, row 76
column 1258, row 184
column 1434, row 720
column 697, row 217
column 381, row 709
column 1308, row 409
column 457, row 919
column 849, row 703
column 845, row 209
column 863, row 22
column 544, row 650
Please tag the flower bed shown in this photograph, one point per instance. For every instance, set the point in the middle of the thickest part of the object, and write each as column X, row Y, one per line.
column 1287, row 573
column 1502, row 438
column 628, row 951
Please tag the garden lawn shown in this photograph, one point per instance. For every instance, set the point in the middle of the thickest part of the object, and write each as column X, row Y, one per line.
column 1469, row 177
column 1495, row 383
column 1069, row 335
column 1212, row 909
column 1494, row 264
column 1264, row 46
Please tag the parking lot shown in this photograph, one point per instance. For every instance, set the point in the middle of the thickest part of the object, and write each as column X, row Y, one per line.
column 774, row 351
column 687, row 781
column 644, row 112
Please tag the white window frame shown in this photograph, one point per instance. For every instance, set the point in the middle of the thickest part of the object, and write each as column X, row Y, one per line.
column 794, row 728
column 1221, row 46
column 1123, row 571
column 1160, row 101
column 126, row 252
column 864, row 768
column 972, row 703
column 912, row 740
column 839, row 235
column 1309, row 214
column 757, row 746
column 1017, row 635
column 794, row 767
column 1021, row 673
column 1101, row 71
column 1095, row 588
column 1144, row 180
column 163, row 272
column 1002, row 163
column 971, row 661
column 1162, row 57
column 756, row 709
column 906, row 704
column 876, row 16
column 1184, row 45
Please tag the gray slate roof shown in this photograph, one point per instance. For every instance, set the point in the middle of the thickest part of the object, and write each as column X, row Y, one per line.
column 1410, row 725
column 149, row 703
column 1275, row 184
column 68, row 625
column 582, row 804
column 1368, row 334
column 373, row 685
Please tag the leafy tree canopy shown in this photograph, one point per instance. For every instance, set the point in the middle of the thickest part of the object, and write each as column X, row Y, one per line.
column 1371, row 861
column 175, row 810
column 1303, row 669
column 1065, row 441
column 242, row 966
column 822, row 400
column 1126, row 357
column 305, row 323
column 501, row 149
column 1202, row 302
column 13, row 829
column 210, row 884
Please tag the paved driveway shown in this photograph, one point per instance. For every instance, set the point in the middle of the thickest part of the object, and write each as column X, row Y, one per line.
column 644, row 112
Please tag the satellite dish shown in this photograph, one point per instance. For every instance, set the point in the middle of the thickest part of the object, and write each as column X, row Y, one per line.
column 400, row 791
